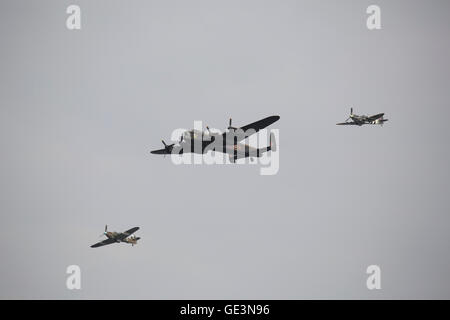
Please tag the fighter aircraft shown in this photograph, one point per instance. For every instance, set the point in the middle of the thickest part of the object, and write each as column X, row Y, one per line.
column 195, row 141
column 360, row 120
column 116, row 237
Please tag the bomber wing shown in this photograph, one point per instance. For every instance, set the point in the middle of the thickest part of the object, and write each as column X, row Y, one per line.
column 169, row 149
column 246, row 131
column 160, row 151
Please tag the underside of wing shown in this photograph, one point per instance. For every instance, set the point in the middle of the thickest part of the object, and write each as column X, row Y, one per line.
column 128, row 233
column 103, row 243
column 246, row 131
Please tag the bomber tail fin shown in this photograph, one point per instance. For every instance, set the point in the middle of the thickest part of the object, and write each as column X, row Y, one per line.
column 273, row 142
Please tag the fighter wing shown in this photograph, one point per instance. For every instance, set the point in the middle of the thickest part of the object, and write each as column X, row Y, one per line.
column 127, row 233
column 246, row 131
column 347, row 124
column 103, row 243
column 375, row 117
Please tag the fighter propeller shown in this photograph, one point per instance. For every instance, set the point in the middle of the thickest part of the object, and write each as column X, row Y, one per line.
column 104, row 233
column 351, row 115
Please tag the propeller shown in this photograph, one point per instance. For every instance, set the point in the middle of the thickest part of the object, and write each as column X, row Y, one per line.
column 351, row 114
column 168, row 147
column 104, row 233
column 230, row 126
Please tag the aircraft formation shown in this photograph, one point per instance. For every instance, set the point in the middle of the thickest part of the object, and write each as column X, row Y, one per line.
column 200, row 142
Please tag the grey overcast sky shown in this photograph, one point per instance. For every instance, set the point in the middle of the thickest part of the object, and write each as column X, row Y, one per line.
column 80, row 111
